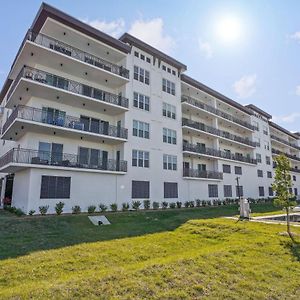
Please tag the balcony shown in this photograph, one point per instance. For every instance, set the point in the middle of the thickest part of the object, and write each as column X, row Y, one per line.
column 277, row 152
column 217, row 153
column 17, row 159
column 45, row 50
column 197, row 174
column 34, row 82
column 217, row 112
column 217, row 132
column 296, row 170
column 282, row 141
column 25, row 118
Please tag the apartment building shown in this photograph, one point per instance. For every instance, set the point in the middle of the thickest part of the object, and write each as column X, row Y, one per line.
column 88, row 119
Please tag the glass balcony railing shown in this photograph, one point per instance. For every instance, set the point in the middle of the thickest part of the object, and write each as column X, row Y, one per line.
column 202, row 174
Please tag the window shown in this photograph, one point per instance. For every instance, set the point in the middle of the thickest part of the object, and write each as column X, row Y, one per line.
column 49, row 153
column 268, row 160
column 294, row 178
column 212, row 190
column 258, row 157
column 265, row 130
column 141, row 129
column 269, row 174
column 227, row 169
column 174, row 72
column 256, row 125
column 227, row 191
column 168, row 86
column 55, row 187
column 257, row 140
column 148, row 60
column 164, row 67
column 140, row 189
column 260, row 173
column 141, row 101
column 169, row 111
column 136, row 54
column 141, row 75
column 295, row 191
column 169, row 162
column 169, row 70
column 142, row 57
column 170, row 190
column 267, row 145
column 238, row 170
column 261, row 191
column 140, row 158
column 169, row 136
column 271, row 192
column 94, row 158
column 239, row 191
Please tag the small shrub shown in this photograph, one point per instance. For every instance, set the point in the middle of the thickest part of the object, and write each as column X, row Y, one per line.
column 91, row 209
column 172, row 205
column 164, row 205
column 102, row 207
column 198, row 202
column 19, row 212
column 43, row 209
column 187, row 204
column 146, row 204
column 155, row 205
column 136, row 204
column 125, row 206
column 31, row 212
column 76, row 210
column 192, row 203
column 59, row 207
column 204, row 203
column 179, row 204
column 114, row 207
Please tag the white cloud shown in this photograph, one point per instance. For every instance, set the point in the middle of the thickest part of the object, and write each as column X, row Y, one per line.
column 291, row 118
column 246, row 86
column 113, row 28
column 152, row 32
column 298, row 90
column 295, row 36
column 206, row 48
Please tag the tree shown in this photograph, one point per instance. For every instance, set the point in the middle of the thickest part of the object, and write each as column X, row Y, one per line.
column 281, row 186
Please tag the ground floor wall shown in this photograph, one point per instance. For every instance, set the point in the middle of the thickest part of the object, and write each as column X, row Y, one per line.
column 93, row 188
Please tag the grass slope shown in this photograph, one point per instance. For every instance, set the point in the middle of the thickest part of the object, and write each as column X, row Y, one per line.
column 207, row 259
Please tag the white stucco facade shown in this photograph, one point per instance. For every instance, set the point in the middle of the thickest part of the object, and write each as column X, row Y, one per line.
column 75, row 96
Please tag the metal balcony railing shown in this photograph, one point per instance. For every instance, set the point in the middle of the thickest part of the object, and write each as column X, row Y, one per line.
column 217, row 153
column 76, row 53
column 285, row 142
column 202, row 174
column 286, row 154
column 36, row 157
column 217, row 132
column 67, row 85
column 217, row 112
column 63, row 120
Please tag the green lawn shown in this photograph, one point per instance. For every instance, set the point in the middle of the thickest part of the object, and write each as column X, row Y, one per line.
column 148, row 255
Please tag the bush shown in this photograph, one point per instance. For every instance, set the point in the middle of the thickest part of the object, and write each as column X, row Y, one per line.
column 178, row 204
column 198, row 202
column 192, row 203
column 136, row 204
column 59, row 207
column 155, row 205
column 91, row 209
column 172, row 205
column 164, row 205
column 9, row 208
column 187, row 204
column 102, row 207
column 19, row 212
column 76, row 210
column 43, row 209
column 146, row 204
column 31, row 212
column 114, row 207
column 125, row 206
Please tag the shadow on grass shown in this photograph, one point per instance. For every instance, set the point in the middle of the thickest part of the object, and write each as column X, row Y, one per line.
column 21, row 236
column 294, row 248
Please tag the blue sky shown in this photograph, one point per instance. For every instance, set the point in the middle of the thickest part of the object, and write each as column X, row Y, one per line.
column 261, row 66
